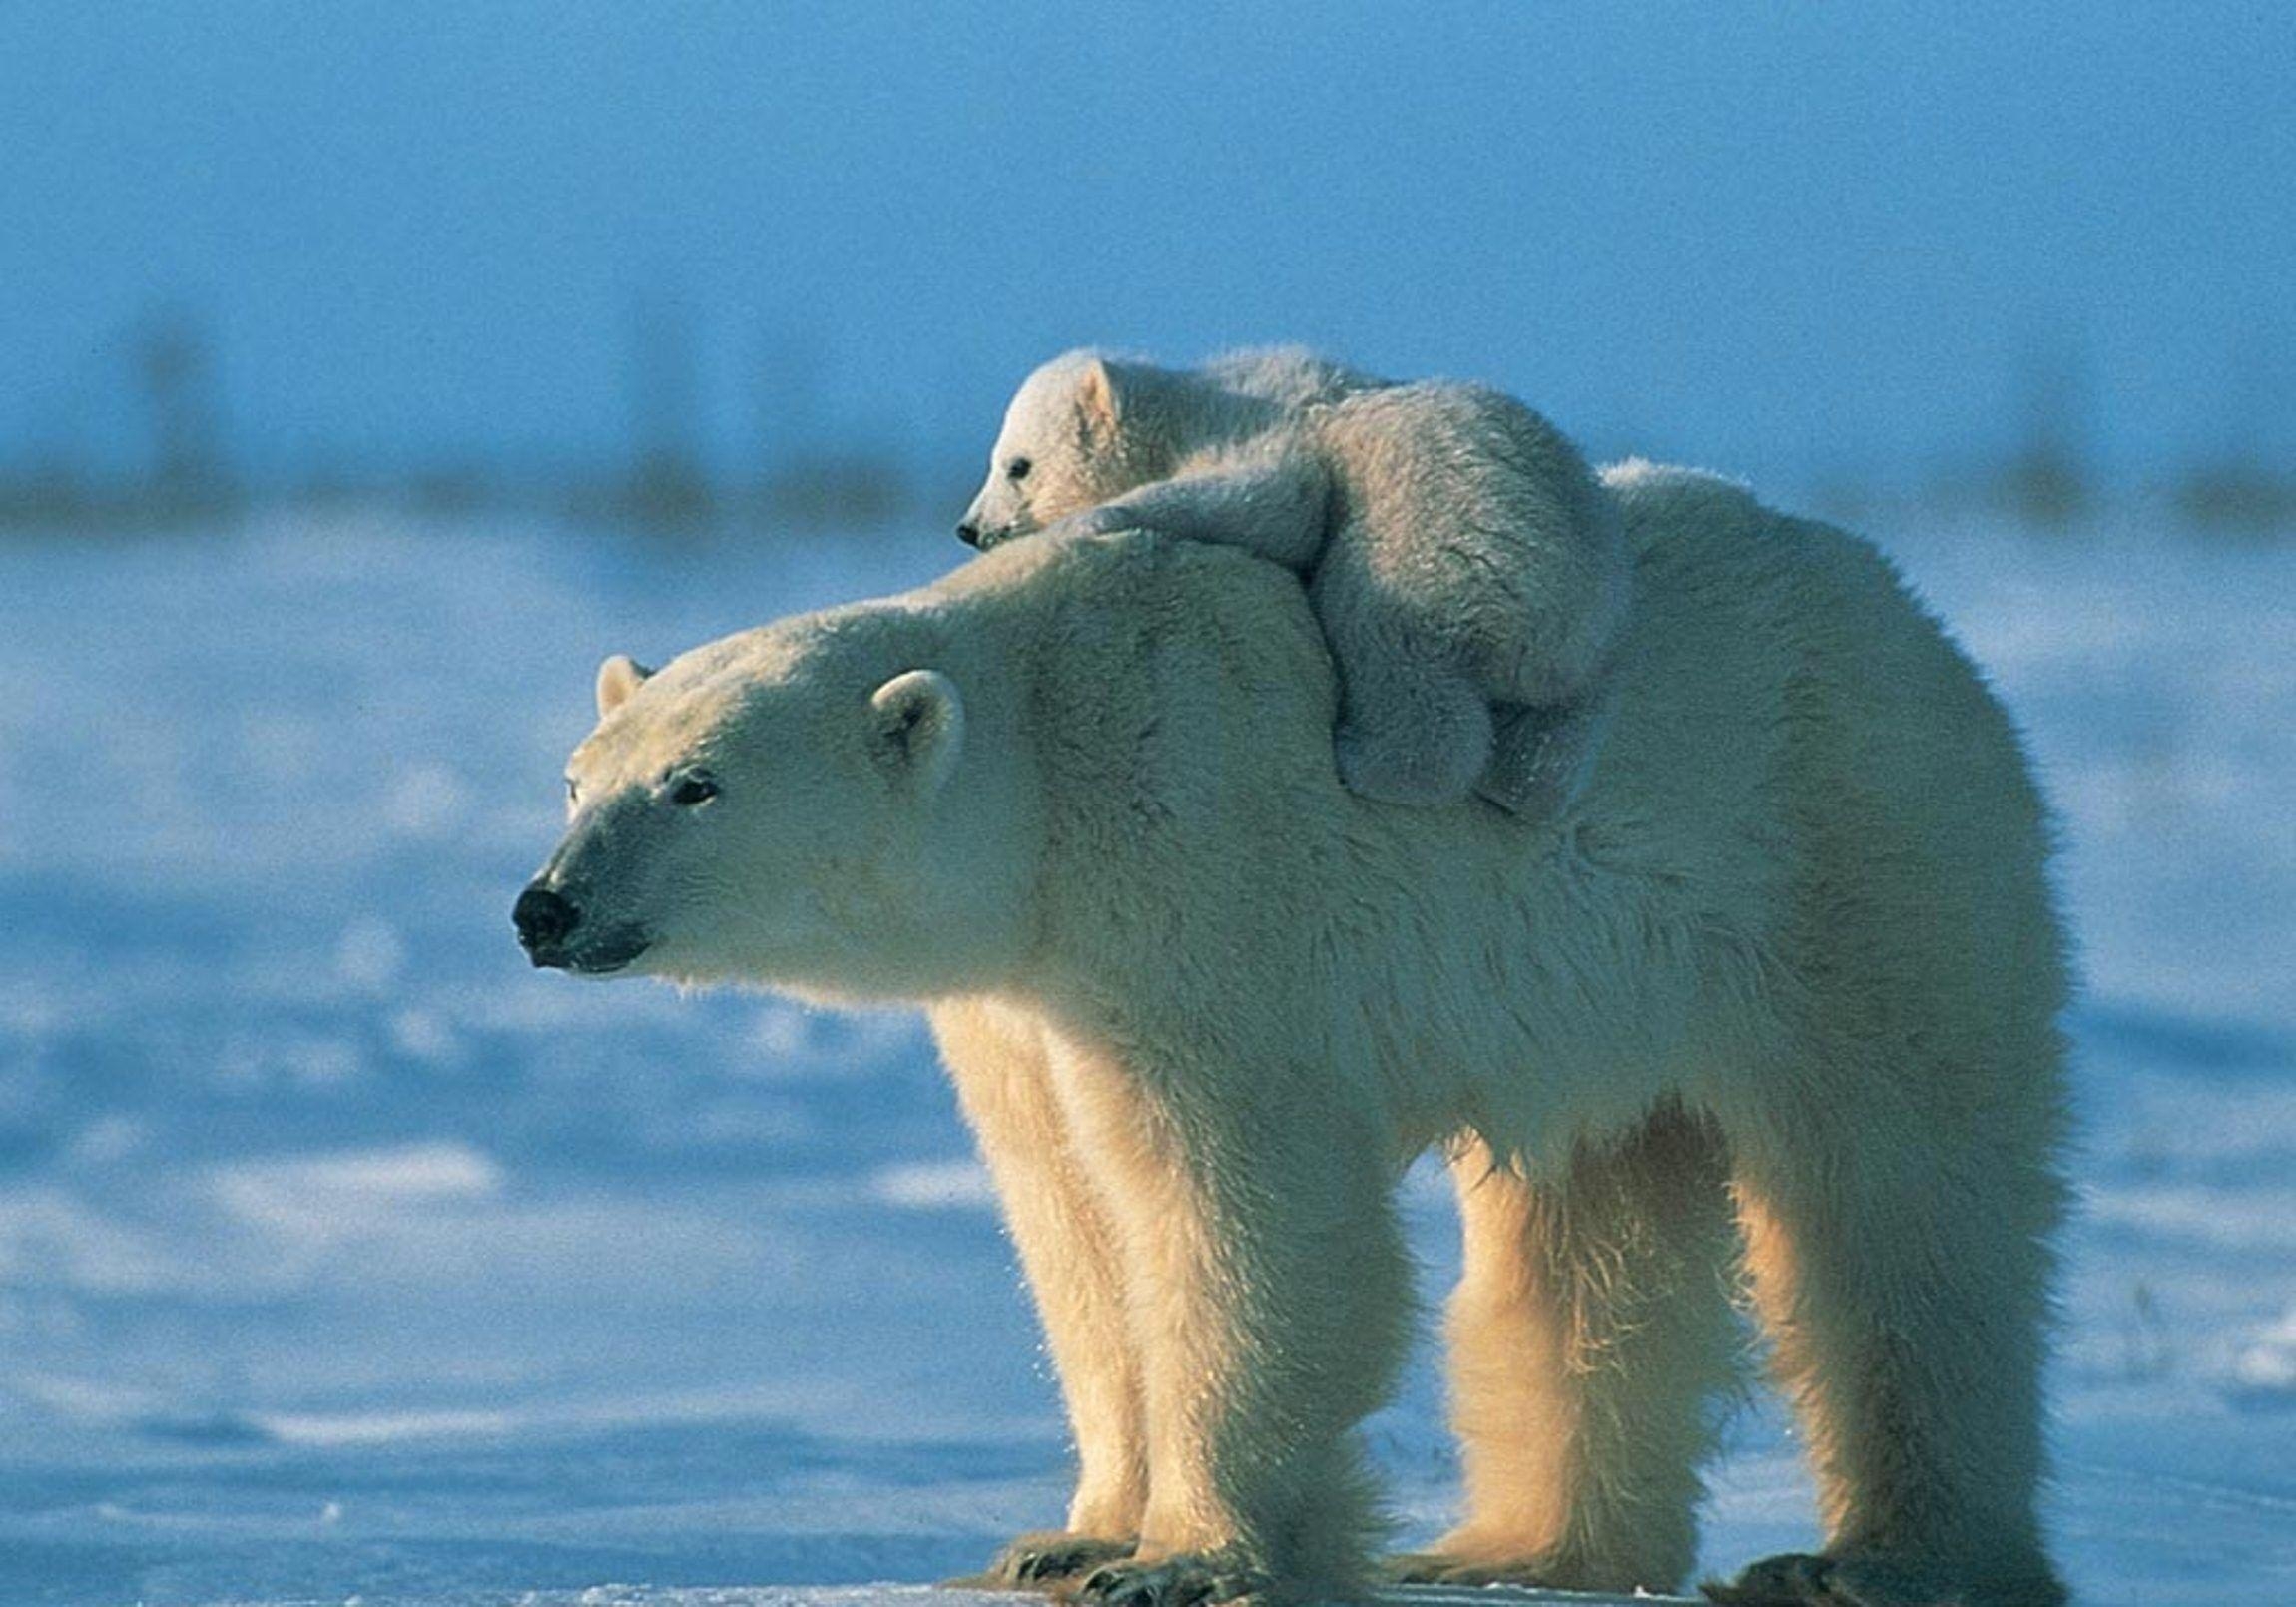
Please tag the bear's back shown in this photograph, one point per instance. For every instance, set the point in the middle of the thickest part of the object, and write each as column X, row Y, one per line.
column 1767, row 662
column 1789, row 725
column 1781, row 669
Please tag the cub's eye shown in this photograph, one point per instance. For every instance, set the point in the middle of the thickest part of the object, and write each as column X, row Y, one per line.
column 1018, row 469
column 572, row 787
column 697, row 786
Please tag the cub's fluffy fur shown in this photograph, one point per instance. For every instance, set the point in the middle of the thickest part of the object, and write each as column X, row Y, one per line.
column 1466, row 568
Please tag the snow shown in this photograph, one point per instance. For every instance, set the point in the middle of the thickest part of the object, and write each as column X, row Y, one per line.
column 343, row 1256
column 929, row 1596
column 882, row 1595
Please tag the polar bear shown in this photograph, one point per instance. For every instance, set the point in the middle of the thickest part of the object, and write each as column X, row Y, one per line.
column 1469, row 574
column 1780, row 996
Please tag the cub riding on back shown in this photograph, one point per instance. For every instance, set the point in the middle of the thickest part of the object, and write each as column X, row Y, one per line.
column 1466, row 567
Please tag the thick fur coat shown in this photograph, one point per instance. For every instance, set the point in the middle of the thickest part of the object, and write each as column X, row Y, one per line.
column 1775, row 1000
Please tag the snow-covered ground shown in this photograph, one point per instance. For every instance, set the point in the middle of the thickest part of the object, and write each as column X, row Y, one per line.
column 340, row 1253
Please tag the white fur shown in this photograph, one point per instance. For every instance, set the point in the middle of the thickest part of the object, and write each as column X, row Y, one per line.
column 1469, row 572
column 1787, row 980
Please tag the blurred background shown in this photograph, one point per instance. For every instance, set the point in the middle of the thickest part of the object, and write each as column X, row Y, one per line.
column 367, row 373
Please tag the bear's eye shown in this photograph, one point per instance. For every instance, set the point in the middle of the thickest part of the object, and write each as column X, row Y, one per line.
column 695, row 786
column 1018, row 469
column 573, row 788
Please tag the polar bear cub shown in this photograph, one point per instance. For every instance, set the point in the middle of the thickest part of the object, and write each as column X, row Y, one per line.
column 1466, row 567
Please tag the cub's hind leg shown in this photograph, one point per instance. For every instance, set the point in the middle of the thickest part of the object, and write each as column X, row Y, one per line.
column 1590, row 1333
column 1411, row 731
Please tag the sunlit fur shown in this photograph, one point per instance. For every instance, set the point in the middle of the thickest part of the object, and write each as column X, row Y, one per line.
column 1784, row 975
column 838, row 860
column 1470, row 576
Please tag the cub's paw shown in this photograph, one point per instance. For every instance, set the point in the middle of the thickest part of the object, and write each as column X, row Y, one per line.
column 1422, row 776
column 1540, row 759
column 1186, row 1580
column 1798, row 1580
column 1106, row 520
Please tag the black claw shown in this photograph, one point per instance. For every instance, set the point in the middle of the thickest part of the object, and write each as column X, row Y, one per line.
column 1048, row 1564
column 1186, row 1583
column 1788, row 1581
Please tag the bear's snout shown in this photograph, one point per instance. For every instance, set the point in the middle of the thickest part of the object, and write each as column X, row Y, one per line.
column 969, row 533
column 545, row 919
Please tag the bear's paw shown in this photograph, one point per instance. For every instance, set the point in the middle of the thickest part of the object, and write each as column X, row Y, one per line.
column 1800, row 1581
column 1046, row 1558
column 1188, row 1579
column 1547, row 1570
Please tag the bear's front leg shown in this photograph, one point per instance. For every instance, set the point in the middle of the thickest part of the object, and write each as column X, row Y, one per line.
column 1269, row 1293
column 996, row 1058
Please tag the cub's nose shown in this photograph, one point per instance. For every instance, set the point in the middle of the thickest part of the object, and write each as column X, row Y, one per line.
column 969, row 533
column 544, row 921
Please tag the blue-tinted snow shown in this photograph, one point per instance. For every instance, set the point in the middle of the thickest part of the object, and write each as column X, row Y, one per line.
column 341, row 1254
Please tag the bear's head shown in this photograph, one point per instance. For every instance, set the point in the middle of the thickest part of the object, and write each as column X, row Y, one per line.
column 1081, row 430
column 806, row 807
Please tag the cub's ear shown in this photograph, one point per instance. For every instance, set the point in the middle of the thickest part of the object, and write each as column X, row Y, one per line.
column 618, row 677
column 917, row 725
column 1100, row 394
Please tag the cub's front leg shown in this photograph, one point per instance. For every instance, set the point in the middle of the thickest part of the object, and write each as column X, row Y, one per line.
column 1275, row 504
column 1269, row 1298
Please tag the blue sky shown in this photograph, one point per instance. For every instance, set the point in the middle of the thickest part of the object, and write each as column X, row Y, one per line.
column 1775, row 239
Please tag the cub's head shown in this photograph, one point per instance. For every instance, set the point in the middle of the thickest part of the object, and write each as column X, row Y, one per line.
column 801, row 807
column 1081, row 430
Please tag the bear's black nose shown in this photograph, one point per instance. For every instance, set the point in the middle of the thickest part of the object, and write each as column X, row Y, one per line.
column 969, row 533
column 544, row 920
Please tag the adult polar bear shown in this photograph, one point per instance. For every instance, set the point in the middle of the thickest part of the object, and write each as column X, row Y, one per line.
column 1787, row 973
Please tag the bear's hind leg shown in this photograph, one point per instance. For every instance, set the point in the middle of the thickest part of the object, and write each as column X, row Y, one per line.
column 1591, row 1332
column 1898, row 1247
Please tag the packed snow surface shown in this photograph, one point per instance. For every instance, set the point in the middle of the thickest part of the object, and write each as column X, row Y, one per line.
column 340, row 1255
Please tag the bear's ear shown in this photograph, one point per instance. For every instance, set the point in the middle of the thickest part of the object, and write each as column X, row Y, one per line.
column 618, row 677
column 916, row 722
